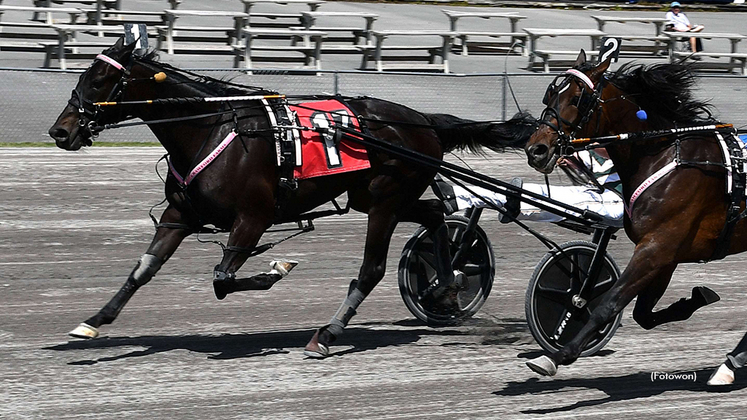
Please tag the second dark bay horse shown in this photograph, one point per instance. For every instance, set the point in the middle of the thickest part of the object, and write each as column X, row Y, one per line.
column 679, row 178
column 239, row 191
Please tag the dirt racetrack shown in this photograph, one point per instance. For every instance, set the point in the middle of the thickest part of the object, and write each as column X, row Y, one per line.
column 72, row 226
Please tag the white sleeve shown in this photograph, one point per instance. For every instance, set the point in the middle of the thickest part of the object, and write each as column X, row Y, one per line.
column 685, row 20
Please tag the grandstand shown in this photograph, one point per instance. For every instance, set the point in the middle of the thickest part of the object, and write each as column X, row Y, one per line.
column 370, row 36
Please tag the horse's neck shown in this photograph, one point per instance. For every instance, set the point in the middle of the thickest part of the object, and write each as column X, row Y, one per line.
column 182, row 140
column 618, row 114
column 632, row 161
column 626, row 162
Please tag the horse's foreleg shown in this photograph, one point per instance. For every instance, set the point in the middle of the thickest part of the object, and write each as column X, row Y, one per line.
column 244, row 236
column 381, row 223
column 165, row 242
column 647, row 264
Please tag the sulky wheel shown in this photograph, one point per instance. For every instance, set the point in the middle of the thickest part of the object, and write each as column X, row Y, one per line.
column 548, row 300
column 417, row 270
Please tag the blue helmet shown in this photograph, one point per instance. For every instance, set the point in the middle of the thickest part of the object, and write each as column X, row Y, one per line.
column 674, row 4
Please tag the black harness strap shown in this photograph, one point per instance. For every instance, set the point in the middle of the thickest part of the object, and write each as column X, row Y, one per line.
column 734, row 213
column 286, row 139
column 286, row 149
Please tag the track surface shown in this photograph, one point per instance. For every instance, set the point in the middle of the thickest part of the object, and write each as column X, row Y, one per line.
column 72, row 226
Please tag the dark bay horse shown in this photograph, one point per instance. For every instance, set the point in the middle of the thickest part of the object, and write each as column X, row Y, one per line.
column 239, row 191
column 679, row 217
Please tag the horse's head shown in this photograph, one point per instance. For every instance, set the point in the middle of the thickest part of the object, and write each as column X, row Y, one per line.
column 102, row 81
column 571, row 101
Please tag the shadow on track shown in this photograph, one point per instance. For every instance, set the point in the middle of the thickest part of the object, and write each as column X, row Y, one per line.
column 538, row 353
column 234, row 346
column 617, row 388
column 493, row 331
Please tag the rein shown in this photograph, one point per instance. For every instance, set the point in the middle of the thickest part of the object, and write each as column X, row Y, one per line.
column 191, row 100
column 199, row 99
column 602, row 141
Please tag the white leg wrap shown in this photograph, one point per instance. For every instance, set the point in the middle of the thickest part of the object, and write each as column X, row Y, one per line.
column 145, row 269
column 282, row 267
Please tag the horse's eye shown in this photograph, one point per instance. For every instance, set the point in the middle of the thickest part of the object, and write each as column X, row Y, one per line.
column 98, row 82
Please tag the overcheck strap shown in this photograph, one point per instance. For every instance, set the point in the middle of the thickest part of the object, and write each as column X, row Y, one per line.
column 584, row 78
column 114, row 63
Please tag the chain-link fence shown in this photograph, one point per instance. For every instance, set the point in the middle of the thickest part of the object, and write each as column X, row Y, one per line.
column 32, row 100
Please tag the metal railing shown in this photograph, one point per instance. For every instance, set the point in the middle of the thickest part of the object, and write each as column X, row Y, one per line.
column 32, row 99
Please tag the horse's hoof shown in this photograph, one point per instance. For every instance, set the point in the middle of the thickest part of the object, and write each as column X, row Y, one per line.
column 84, row 331
column 543, row 365
column 722, row 376
column 450, row 301
column 315, row 349
column 705, row 295
column 221, row 289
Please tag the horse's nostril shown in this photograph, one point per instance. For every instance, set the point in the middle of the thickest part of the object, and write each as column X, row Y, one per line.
column 59, row 133
column 538, row 150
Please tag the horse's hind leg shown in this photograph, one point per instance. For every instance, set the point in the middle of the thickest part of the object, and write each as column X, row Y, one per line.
column 164, row 243
column 381, row 224
column 644, row 314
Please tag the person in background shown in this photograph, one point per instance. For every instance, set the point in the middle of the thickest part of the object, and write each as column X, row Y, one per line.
column 677, row 21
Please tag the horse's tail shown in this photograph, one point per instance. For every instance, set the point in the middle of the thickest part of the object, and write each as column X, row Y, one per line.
column 458, row 134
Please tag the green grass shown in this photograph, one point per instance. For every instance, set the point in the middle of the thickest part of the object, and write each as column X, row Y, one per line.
column 95, row 144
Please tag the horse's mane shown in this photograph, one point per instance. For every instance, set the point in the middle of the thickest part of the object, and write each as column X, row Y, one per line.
column 664, row 91
column 209, row 86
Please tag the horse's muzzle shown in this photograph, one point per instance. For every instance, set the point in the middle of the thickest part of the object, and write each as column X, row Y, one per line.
column 69, row 134
column 68, row 139
column 541, row 157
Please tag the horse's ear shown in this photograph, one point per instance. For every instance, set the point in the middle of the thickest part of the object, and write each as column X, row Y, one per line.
column 122, row 51
column 120, row 44
column 581, row 59
column 599, row 70
column 129, row 48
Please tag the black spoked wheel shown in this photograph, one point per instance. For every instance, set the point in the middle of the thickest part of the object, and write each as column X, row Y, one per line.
column 417, row 270
column 552, row 317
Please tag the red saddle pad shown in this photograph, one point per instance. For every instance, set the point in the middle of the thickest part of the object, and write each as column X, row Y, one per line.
column 320, row 155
